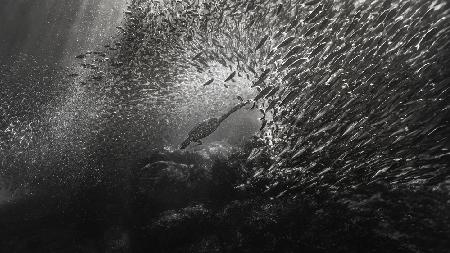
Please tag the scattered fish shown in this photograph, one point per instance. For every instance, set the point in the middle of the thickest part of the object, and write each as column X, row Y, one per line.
column 230, row 76
column 261, row 42
column 210, row 81
column 264, row 92
column 286, row 42
column 262, row 77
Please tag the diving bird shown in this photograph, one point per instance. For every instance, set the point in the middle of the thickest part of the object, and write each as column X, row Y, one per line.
column 207, row 127
column 201, row 131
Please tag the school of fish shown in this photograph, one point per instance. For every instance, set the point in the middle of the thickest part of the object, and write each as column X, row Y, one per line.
column 352, row 91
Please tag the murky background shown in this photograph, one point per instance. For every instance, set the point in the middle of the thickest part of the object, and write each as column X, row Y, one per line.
column 52, row 31
column 38, row 42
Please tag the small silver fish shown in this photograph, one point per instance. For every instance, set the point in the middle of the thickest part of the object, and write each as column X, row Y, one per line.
column 209, row 82
column 230, row 76
column 286, row 42
column 261, row 42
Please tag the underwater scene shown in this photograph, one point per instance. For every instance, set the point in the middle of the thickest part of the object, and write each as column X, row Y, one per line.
column 224, row 126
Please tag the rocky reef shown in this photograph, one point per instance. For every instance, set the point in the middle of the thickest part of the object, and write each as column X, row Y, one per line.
column 200, row 201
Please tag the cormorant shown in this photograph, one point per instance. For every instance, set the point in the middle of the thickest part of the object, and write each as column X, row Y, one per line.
column 207, row 127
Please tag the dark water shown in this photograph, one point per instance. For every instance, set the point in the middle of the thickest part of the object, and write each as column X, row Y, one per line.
column 51, row 30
